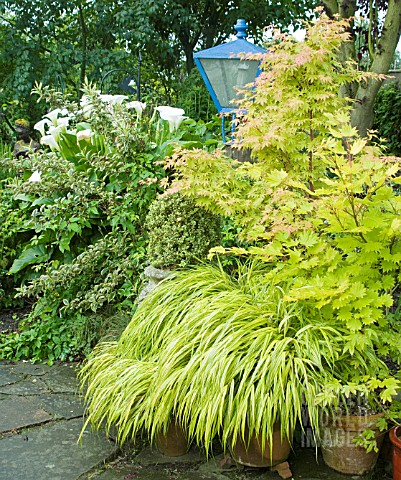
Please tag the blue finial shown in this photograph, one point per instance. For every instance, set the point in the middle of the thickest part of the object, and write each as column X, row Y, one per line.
column 241, row 27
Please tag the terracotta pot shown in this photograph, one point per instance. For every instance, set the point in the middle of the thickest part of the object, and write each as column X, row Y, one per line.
column 173, row 442
column 339, row 451
column 251, row 455
column 395, row 438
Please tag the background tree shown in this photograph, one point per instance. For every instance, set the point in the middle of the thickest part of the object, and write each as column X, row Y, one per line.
column 383, row 20
column 62, row 41
column 57, row 42
column 188, row 25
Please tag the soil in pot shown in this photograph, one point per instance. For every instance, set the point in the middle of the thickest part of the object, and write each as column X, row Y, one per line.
column 340, row 452
column 173, row 442
column 395, row 438
column 253, row 455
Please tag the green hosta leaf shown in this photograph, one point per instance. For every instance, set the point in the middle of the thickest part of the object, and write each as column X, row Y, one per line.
column 37, row 254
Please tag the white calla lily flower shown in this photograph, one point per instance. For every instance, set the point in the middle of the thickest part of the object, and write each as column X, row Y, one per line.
column 55, row 132
column 50, row 141
column 84, row 134
column 174, row 116
column 118, row 99
column 113, row 99
column 139, row 107
column 84, row 100
column 40, row 126
column 35, row 177
column 106, row 98
column 86, row 105
column 63, row 122
column 52, row 116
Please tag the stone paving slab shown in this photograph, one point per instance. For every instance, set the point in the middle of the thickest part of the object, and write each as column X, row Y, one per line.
column 17, row 413
column 150, row 456
column 25, row 387
column 62, row 405
column 8, row 377
column 136, row 473
column 31, row 369
column 41, row 416
column 52, row 452
column 62, row 379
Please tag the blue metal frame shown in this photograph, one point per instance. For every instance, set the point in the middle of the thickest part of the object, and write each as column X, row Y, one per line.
column 232, row 52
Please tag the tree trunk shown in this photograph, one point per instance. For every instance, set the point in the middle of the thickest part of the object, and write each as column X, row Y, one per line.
column 362, row 115
column 189, row 57
column 188, row 45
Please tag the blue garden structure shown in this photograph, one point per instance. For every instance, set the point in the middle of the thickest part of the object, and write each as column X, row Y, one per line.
column 225, row 70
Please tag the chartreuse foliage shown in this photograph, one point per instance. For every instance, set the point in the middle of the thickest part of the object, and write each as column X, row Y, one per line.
column 221, row 354
column 306, row 322
column 319, row 198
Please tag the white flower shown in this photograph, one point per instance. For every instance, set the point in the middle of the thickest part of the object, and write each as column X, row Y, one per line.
column 55, row 132
column 63, row 122
column 138, row 106
column 86, row 105
column 106, row 98
column 52, row 116
column 85, row 100
column 119, row 98
column 50, row 141
column 84, row 134
column 174, row 116
column 35, row 177
column 112, row 99
column 40, row 126
column 65, row 112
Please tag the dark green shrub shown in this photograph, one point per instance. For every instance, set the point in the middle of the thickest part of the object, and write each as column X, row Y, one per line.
column 194, row 98
column 55, row 338
column 72, row 239
column 181, row 233
column 388, row 116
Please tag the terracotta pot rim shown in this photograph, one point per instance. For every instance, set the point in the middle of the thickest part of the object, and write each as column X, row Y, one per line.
column 345, row 415
column 395, row 436
column 351, row 422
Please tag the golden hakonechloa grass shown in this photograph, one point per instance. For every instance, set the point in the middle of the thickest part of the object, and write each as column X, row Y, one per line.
column 222, row 354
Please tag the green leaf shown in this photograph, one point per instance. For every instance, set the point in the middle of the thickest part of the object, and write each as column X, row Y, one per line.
column 37, row 254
